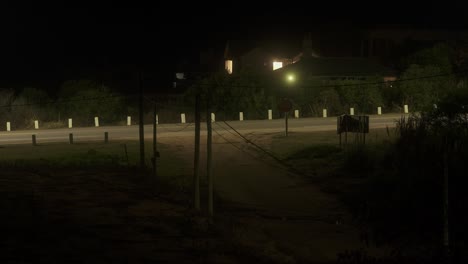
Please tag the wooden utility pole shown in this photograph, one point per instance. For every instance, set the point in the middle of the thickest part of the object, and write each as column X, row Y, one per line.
column 141, row 121
column 155, row 150
column 209, row 157
column 446, row 230
column 196, row 167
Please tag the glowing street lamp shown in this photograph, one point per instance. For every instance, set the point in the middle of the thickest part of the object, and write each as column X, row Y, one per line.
column 290, row 78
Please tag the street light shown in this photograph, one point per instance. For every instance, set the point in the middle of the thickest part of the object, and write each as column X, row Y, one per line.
column 286, row 104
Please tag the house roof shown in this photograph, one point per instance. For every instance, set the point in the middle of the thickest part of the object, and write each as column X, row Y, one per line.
column 337, row 66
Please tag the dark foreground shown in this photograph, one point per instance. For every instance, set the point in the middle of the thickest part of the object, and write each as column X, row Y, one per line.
column 108, row 216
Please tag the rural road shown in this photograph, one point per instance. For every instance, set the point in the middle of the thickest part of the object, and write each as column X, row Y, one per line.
column 83, row 134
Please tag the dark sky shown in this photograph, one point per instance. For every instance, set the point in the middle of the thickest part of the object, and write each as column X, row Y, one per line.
column 42, row 45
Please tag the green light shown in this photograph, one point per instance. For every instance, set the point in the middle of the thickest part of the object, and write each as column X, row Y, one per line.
column 291, row 78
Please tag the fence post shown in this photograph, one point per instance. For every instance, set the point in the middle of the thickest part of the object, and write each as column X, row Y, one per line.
column 351, row 111
column 379, row 110
column 70, row 123
column 8, row 126
column 70, row 138
column 96, row 121
column 36, row 124
column 129, row 120
column 241, row 116
column 106, row 137
column 324, row 113
column 34, row 140
column 406, row 109
column 296, row 113
column 270, row 114
column 182, row 118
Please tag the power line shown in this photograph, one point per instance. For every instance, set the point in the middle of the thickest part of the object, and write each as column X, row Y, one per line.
column 179, row 130
column 240, row 149
column 285, row 164
column 103, row 98
column 194, row 82
column 77, row 99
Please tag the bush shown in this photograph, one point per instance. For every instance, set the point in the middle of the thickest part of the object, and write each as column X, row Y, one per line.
column 402, row 202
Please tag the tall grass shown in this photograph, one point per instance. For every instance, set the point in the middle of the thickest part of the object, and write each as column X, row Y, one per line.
column 402, row 201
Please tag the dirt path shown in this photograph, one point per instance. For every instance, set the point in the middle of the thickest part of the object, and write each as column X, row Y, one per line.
column 281, row 216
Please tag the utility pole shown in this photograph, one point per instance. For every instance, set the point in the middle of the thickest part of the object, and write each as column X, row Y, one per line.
column 446, row 230
column 155, row 150
column 209, row 156
column 196, row 167
column 141, row 121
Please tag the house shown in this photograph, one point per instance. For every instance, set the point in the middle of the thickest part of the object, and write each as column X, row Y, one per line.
column 337, row 68
column 307, row 68
column 308, row 63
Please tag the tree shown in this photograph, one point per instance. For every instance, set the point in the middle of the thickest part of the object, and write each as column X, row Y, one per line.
column 327, row 99
column 6, row 98
column 31, row 104
column 82, row 100
column 423, row 93
column 230, row 94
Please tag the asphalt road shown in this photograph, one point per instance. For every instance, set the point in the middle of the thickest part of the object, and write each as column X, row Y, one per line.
column 83, row 134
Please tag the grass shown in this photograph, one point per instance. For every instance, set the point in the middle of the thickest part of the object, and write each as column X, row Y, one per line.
column 319, row 151
column 318, row 155
column 57, row 151
column 379, row 182
column 87, row 197
column 124, row 153
column 284, row 147
column 95, row 157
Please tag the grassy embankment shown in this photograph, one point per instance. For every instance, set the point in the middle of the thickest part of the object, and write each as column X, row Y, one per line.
column 393, row 185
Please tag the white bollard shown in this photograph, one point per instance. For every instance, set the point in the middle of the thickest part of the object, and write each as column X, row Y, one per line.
column 157, row 120
column 182, row 118
column 270, row 114
column 351, row 111
column 324, row 113
column 241, row 116
column 96, row 121
column 70, row 123
column 8, row 127
column 129, row 120
column 379, row 110
column 213, row 117
column 406, row 109
column 296, row 113
column 36, row 124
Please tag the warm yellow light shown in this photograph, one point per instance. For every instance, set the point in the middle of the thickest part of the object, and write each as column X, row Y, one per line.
column 228, row 66
column 291, row 78
column 277, row 65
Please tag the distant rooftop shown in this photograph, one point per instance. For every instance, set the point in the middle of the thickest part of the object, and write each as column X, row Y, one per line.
column 337, row 66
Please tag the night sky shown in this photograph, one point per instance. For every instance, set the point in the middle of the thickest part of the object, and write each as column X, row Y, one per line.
column 42, row 45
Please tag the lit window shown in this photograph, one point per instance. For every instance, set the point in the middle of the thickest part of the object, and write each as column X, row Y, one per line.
column 277, row 65
column 228, row 66
column 180, row 75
